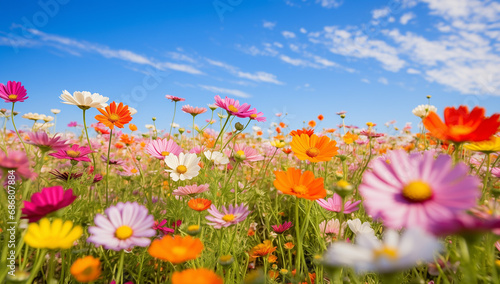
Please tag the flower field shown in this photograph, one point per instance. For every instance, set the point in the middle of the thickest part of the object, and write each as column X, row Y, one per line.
column 221, row 202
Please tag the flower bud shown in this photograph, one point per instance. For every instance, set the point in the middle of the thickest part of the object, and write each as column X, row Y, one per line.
column 193, row 230
column 239, row 126
column 226, row 260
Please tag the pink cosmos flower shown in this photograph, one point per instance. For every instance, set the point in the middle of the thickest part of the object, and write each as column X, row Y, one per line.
column 191, row 189
column 281, row 228
column 233, row 107
column 41, row 140
column 162, row 229
column 126, row 225
column 227, row 216
column 244, row 153
column 334, row 204
column 13, row 92
column 75, row 153
column 49, row 200
column 466, row 223
column 128, row 171
column 331, row 227
column 495, row 172
column 417, row 191
column 259, row 116
column 194, row 111
column 16, row 161
column 160, row 148
column 73, row 124
column 174, row 98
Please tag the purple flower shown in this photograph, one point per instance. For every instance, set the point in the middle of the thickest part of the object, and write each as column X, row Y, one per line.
column 41, row 140
column 49, row 200
column 227, row 216
column 334, row 204
column 281, row 228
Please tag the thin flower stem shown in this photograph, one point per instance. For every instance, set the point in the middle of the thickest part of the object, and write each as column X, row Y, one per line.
column 173, row 119
column 297, row 234
column 15, row 128
column 107, row 166
column 222, row 130
column 119, row 276
column 88, row 140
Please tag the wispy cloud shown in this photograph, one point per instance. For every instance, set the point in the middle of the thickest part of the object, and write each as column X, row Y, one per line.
column 218, row 90
column 288, row 34
column 258, row 76
column 330, row 3
column 268, row 25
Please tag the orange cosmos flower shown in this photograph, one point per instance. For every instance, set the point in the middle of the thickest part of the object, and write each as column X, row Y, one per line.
column 86, row 269
column 114, row 115
column 330, row 130
column 286, row 150
column 132, row 127
column 312, row 123
column 299, row 132
column 262, row 249
column 314, row 148
column 199, row 204
column 282, row 124
column 302, row 185
column 198, row 276
column 127, row 140
column 460, row 125
column 259, row 133
column 177, row 249
column 119, row 145
column 349, row 138
column 289, row 245
column 278, row 130
column 321, row 117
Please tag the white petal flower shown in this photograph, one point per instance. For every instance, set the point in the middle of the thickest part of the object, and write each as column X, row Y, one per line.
column 132, row 110
column 358, row 228
column 84, row 100
column 182, row 167
column 217, row 157
column 423, row 110
column 55, row 111
column 394, row 253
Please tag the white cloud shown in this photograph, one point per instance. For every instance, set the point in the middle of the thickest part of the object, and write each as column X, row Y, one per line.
column 302, row 30
column 180, row 57
column 260, row 77
column 383, row 80
column 294, row 61
column 380, row 13
column 406, row 18
column 233, row 92
column 412, row 71
column 268, row 25
column 222, row 65
column 179, row 67
column 330, row 3
column 364, row 80
column 288, row 34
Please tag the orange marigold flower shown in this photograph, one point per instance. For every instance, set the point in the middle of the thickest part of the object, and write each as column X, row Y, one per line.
column 314, row 148
column 299, row 132
column 132, row 127
column 114, row 115
column 289, row 245
column 272, row 258
column 198, row 276
column 460, row 125
column 127, row 140
column 321, row 117
column 177, row 249
column 312, row 123
column 199, row 204
column 262, row 249
column 302, row 185
column 86, row 269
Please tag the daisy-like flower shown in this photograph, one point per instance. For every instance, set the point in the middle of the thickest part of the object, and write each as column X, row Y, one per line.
column 194, row 111
column 160, row 227
column 233, row 107
column 182, row 167
column 161, row 148
column 86, row 269
column 16, row 161
column 227, row 216
column 460, row 125
column 259, row 116
column 334, row 204
column 49, row 200
column 174, row 98
column 331, row 227
column 488, row 146
column 177, row 249
column 114, row 115
column 244, row 153
column 13, row 92
column 358, row 228
column 302, row 185
column 423, row 110
column 262, row 249
column 191, row 189
column 33, row 116
column 45, row 143
column 55, row 235
column 84, row 100
column 126, row 225
column 75, row 153
column 55, row 110
column 309, row 132
column 313, row 148
column 394, row 253
column 65, row 175
column 416, row 190
column 199, row 204
column 217, row 157
column 111, row 161
column 199, row 276
column 281, row 228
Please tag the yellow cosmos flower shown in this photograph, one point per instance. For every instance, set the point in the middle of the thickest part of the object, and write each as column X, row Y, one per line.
column 489, row 146
column 55, row 235
column 278, row 144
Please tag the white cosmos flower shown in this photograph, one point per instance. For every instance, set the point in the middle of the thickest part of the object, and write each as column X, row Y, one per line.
column 423, row 110
column 184, row 166
column 47, row 118
column 394, row 253
column 84, row 100
column 358, row 228
column 149, row 126
column 33, row 116
column 55, row 111
column 174, row 125
column 132, row 110
column 217, row 157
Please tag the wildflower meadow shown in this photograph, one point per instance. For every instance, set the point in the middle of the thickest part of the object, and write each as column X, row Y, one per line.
column 236, row 199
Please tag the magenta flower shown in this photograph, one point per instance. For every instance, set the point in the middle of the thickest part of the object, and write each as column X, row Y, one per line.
column 226, row 217
column 16, row 161
column 244, row 153
column 281, row 228
column 160, row 227
column 194, row 111
column 64, row 175
column 41, row 140
column 174, row 98
column 73, row 124
column 190, row 189
column 75, row 153
column 13, row 92
column 334, row 204
column 233, row 107
column 126, row 225
column 259, row 116
column 49, row 200
column 111, row 161
column 417, row 191
column 466, row 223
column 160, row 148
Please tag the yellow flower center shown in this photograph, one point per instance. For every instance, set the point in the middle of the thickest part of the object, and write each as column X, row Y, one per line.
column 343, row 184
column 225, row 258
column 387, row 252
column 12, row 97
column 228, row 217
column 114, row 117
column 165, row 153
column 178, row 250
column 312, row 152
column 193, row 228
column 232, row 108
column 73, row 154
column 240, row 152
column 417, row 191
column 253, row 115
column 300, row 189
column 124, row 232
column 133, row 171
column 181, row 169
column 461, row 130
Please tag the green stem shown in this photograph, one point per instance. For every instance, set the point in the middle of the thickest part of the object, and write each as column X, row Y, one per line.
column 17, row 132
column 173, row 119
column 222, row 129
column 487, row 175
column 299, row 243
column 107, row 165
column 52, row 263
column 119, row 276
column 88, row 140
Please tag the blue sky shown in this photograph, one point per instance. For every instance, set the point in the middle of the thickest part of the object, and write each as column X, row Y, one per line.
column 377, row 60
